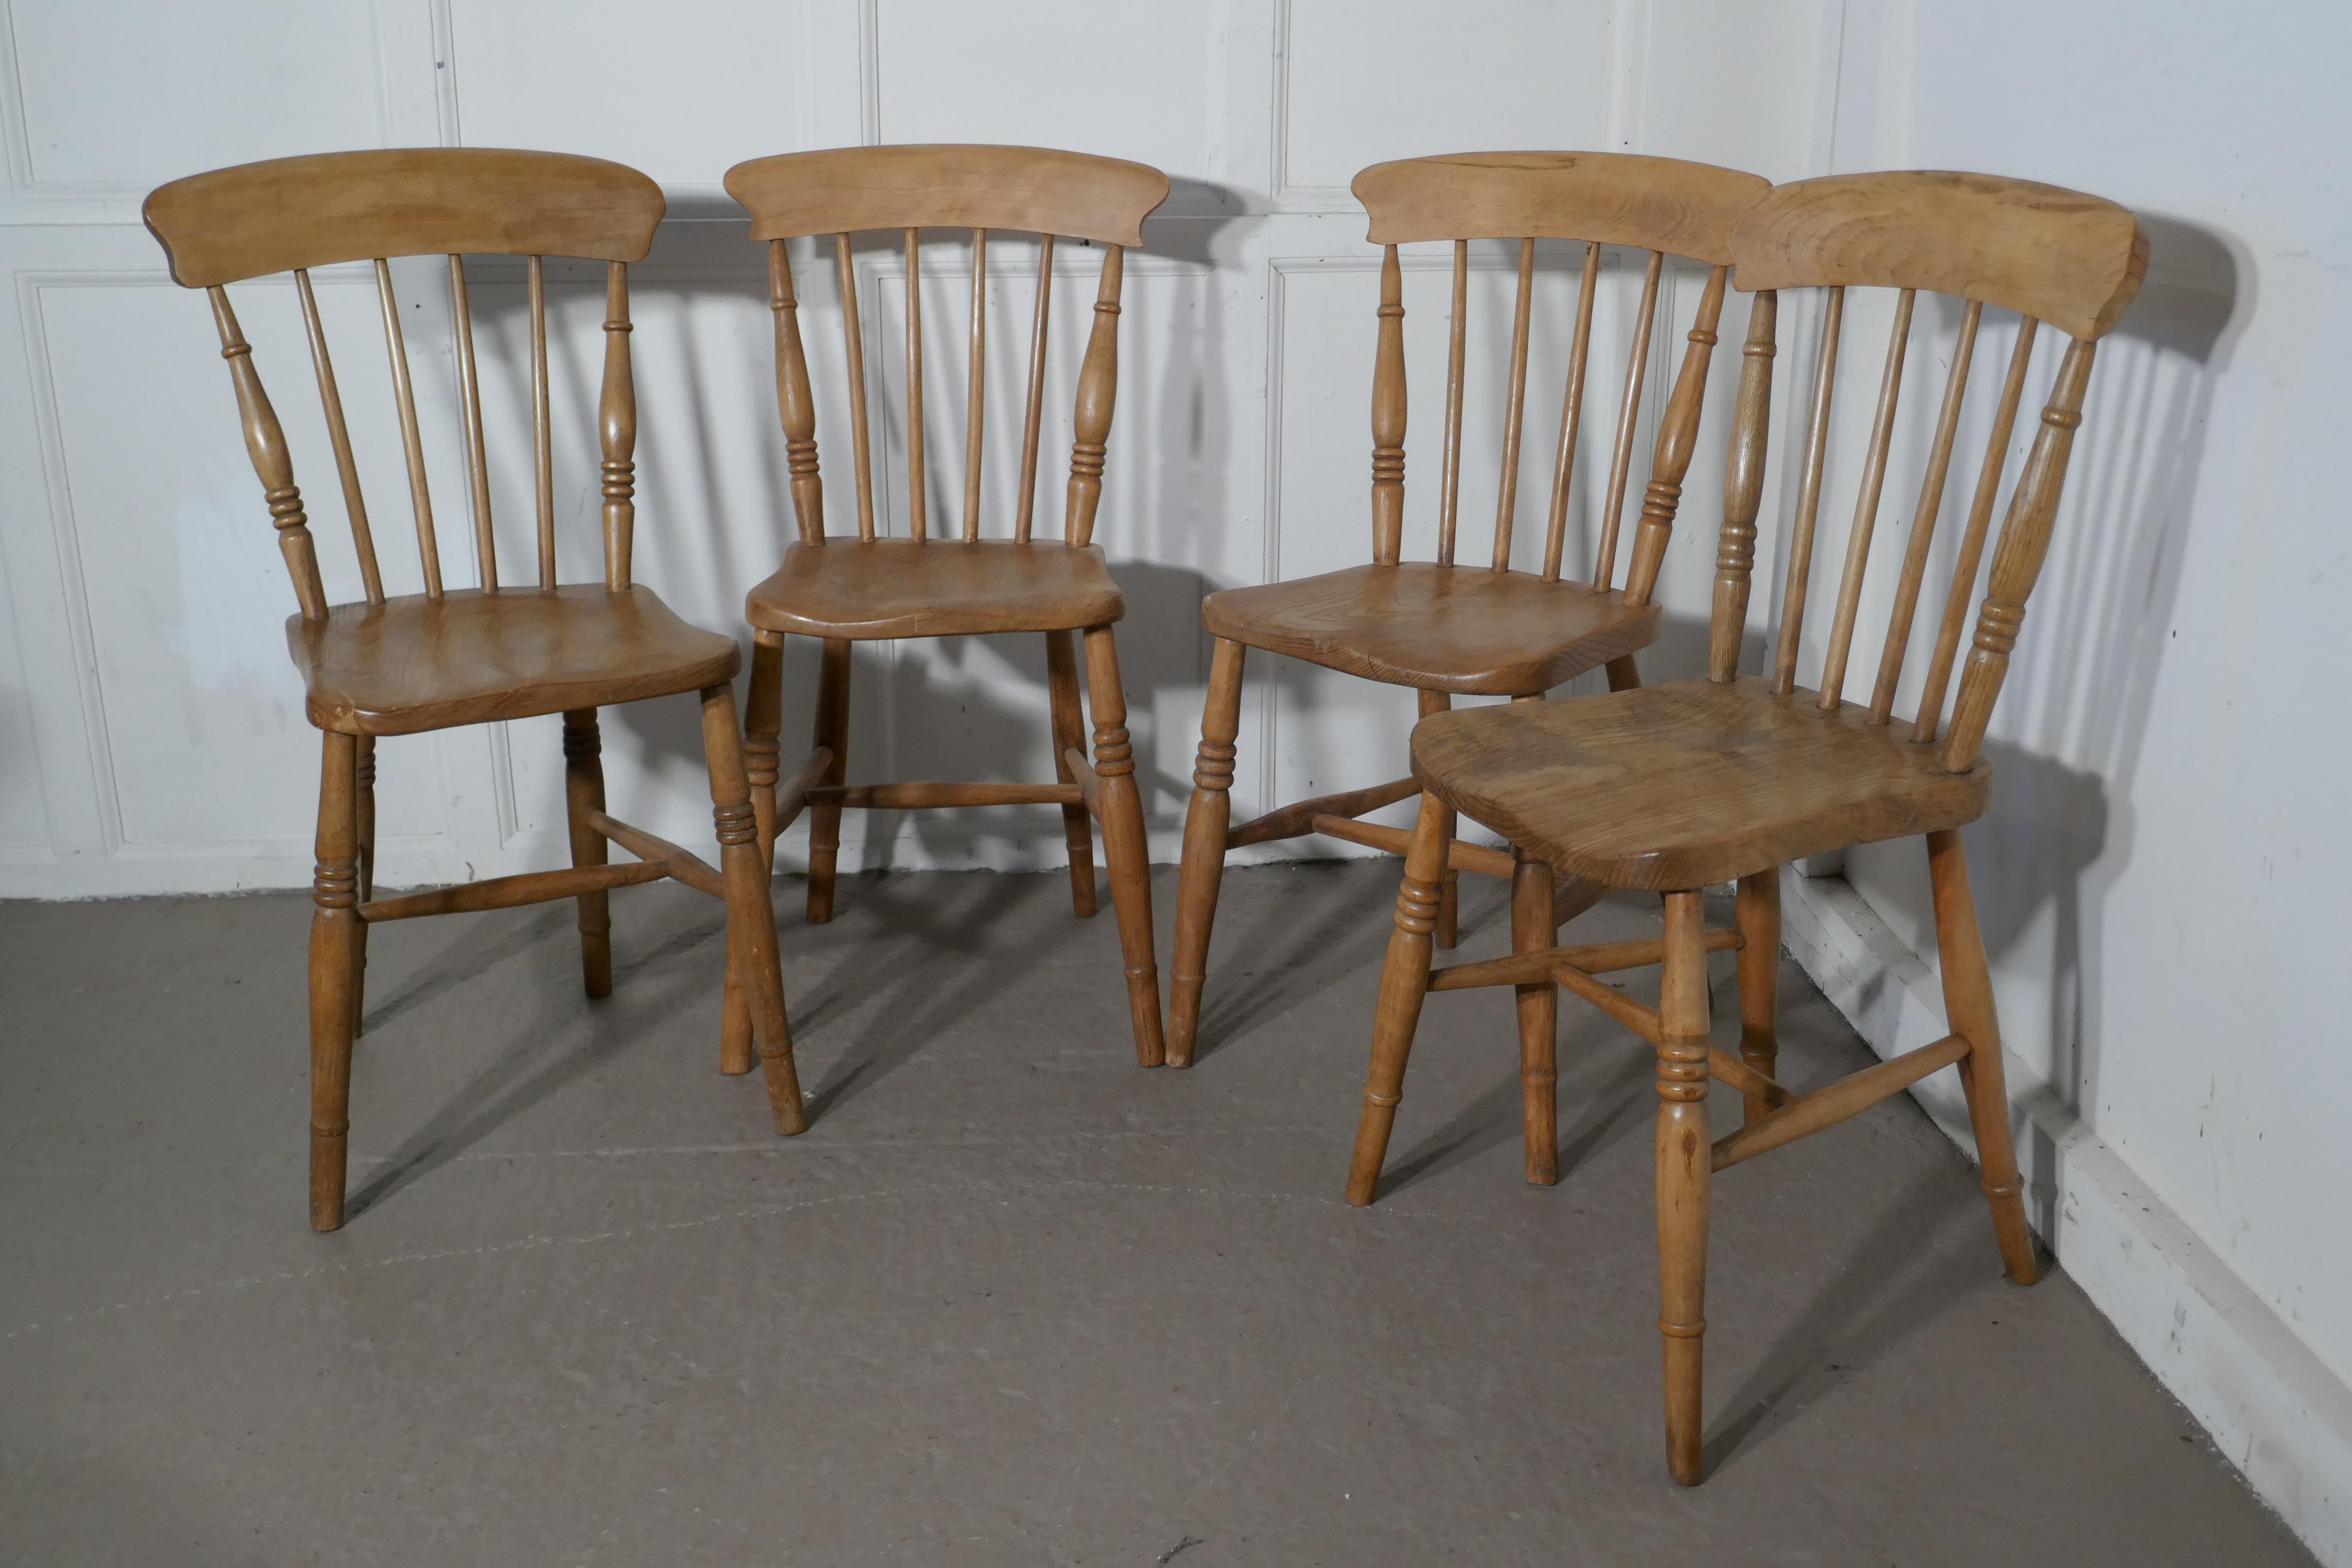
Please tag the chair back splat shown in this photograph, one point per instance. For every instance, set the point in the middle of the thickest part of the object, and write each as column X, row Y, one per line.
column 292, row 214
column 984, row 190
column 1660, row 205
column 2050, row 255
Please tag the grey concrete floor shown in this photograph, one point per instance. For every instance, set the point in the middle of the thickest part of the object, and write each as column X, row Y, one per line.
column 1011, row 1300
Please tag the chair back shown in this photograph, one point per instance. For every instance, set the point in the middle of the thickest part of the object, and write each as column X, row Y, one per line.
column 295, row 214
column 907, row 189
column 2050, row 255
column 1662, row 205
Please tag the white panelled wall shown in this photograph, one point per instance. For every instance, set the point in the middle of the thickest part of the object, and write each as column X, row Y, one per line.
column 2157, row 870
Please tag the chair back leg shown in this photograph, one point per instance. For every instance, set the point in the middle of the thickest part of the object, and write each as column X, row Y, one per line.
column 751, row 918
column 1070, row 733
column 364, row 813
column 1203, row 871
column 1404, row 980
column 1760, row 979
column 334, row 961
column 1532, row 928
column 825, row 817
column 584, row 792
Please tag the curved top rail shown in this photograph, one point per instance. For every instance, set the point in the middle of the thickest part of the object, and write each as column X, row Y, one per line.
column 1618, row 198
column 2057, row 255
column 1041, row 190
column 257, row 218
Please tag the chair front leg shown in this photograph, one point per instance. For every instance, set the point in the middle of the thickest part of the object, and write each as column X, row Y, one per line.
column 1404, row 980
column 1968, row 1008
column 1070, row 733
column 1124, row 846
column 1684, row 1172
column 1204, row 868
column 334, row 959
column 1532, row 930
column 750, row 917
column 763, row 719
column 584, row 792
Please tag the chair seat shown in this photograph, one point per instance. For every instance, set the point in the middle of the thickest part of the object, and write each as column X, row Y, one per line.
column 848, row 588
column 1682, row 785
column 416, row 663
column 1441, row 628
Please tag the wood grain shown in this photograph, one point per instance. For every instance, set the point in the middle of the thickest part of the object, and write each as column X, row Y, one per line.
column 1615, row 198
column 947, row 186
column 940, row 587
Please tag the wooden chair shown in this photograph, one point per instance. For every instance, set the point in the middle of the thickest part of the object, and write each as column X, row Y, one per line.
column 402, row 665
column 1676, row 787
column 841, row 592
column 1436, row 627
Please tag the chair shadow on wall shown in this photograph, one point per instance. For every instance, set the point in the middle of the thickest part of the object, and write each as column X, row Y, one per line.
column 2061, row 830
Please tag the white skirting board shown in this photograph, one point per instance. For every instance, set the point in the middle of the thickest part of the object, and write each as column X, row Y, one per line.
column 2270, row 1405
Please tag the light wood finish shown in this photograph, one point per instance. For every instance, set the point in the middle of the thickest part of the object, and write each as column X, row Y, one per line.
column 1207, row 834
column 1459, row 856
column 1298, row 819
column 1441, row 628
column 2059, row 256
column 1538, row 1008
column 412, row 663
column 1676, row 787
column 938, row 584
column 1597, row 958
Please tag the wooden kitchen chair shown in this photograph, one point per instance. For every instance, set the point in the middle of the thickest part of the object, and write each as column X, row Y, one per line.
column 841, row 591
column 402, row 665
column 1672, row 788
column 1435, row 627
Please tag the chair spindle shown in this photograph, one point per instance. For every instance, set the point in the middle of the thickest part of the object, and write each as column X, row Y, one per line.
column 1743, row 489
column 918, row 485
column 1620, row 457
column 795, row 405
column 1972, row 536
column 853, row 339
column 265, row 443
column 1514, row 406
column 1388, row 417
column 543, row 428
column 1033, row 419
column 412, row 443
column 2016, row 558
column 1450, row 475
column 617, row 426
column 470, row 415
column 1677, row 438
column 1809, row 498
column 976, row 385
column 1865, row 509
column 1098, row 389
column 339, row 434
column 1923, row 522
column 1571, row 415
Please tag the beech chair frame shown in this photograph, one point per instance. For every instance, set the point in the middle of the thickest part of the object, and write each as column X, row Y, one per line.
column 409, row 664
column 1407, row 624
column 1743, row 774
column 922, row 586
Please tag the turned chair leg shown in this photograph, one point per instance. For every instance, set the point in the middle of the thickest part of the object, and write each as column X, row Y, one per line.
column 365, row 813
column 1204, row 868
column 1124, row 847
column 750, row 917
column 1684, row 1169
column 1449, row 880
column 1969, row 1008
column 334, row 961
column 584, row 792
column 825, row 818
column 1404, row 980
column 1760, row 979
column 1532, row 930
column 1070, row 731
column 763, row 719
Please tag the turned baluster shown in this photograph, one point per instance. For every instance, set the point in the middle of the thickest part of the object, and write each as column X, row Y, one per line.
column 1677, row 438
column 1388, row 417
column 795, row 407
column 1097, row 390
column 265, row 443
column 1743, row 491
column 618, row 429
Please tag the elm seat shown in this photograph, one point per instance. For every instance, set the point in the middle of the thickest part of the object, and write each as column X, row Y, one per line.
column 1439, row 628
column 1691, row 783
column 423, row 663
column 850, row 589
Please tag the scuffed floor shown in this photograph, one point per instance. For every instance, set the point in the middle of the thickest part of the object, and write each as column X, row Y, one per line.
column 1010, row 1300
